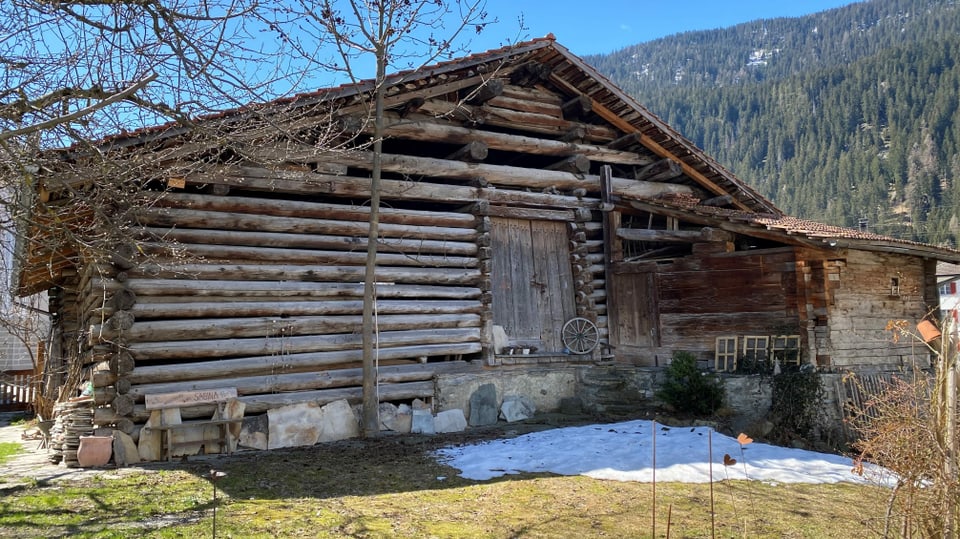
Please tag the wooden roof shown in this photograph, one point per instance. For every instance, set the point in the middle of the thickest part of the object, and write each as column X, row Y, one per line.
column 791, row 230
column 568, row 75
column 623, row 124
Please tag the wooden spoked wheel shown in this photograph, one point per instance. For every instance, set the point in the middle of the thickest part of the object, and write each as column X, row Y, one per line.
column 580, row 335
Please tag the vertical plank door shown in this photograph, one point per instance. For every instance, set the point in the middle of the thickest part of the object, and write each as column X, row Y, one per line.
column 533, row 292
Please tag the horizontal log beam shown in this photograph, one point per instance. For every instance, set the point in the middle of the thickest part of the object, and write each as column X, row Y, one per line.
column 210, row 348
column 683, row 236
column 443, row 168
column 221, row 328
column 235, row 253
column 512, row 119
column 190, row 218
column 280, row 289
column 146, row 311
column 274, row 364
column 434, row 131
column 312, row 184
column 317, row 274
column 312, row 210
column 275, row 383
column 306, row 241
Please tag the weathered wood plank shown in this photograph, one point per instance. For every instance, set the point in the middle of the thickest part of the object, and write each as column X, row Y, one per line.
column 146, row 311
column 220, row 368
column 682, row 236
column 281, row 289
column 305, row 381
column 307, row 241
column 219, row 328
column 311, row 210
column 181, row 398
column 241, row 253
column 209, row 348
column 205, row 219
column 277, row 272
column 432, row 131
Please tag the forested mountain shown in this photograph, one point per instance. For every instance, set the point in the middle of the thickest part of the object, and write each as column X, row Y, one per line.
column 849, row 116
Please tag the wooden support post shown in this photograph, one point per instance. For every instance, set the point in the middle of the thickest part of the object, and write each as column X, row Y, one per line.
column 612, row 246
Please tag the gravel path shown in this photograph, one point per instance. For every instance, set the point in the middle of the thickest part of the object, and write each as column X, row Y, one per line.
column 33, row 465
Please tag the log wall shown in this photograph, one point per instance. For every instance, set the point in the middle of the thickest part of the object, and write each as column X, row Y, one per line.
column 250, row 275
column 867, row 291
column 700, row 298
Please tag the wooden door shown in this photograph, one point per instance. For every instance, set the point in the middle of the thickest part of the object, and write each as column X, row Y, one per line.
column 637, row 328
column 533, row 292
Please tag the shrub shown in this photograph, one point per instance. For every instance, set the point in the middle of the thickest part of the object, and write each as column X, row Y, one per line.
column 797, row 404
column 689, row 390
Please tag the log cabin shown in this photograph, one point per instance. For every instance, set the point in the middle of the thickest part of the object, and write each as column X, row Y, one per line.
column 533, row 215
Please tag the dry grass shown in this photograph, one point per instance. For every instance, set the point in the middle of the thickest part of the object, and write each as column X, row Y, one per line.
column 393, row 487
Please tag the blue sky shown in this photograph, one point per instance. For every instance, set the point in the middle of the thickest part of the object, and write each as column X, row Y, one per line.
column 601, row 26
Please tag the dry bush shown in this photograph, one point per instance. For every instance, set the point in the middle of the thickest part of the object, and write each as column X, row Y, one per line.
column 909, row 428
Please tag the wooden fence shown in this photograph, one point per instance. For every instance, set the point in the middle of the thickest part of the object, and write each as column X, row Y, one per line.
column 17, row 390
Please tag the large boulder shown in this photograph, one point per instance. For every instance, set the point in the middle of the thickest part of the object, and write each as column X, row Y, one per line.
column 483, row 406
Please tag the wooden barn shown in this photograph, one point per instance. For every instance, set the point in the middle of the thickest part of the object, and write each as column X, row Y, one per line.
column 534, row 216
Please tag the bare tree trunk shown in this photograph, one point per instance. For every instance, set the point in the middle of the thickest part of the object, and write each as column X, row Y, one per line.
column 371, row 400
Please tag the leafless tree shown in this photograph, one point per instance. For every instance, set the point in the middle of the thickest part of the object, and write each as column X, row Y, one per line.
column 95, row 90
column 74, row 74
column 393, row 34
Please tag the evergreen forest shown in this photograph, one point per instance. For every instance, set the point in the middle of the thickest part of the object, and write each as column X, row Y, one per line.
column 849, row 116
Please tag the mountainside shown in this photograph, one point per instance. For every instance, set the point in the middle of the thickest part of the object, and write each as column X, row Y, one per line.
column 849, row 116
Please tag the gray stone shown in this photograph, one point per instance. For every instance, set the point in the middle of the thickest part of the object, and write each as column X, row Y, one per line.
column 254, row 432
column 483, row 406
column 293, row 425
column 418, row 404
column 422, row 422
column 517, row 408
column 125, row 451
column 337, row 422
column 450, row 421
column 396, row 418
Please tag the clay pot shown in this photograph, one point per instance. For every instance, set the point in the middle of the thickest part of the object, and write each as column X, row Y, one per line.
column 928, row 330
column 94, row 451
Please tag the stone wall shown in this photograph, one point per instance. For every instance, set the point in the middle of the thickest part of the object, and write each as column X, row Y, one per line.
column 625, row 390
column 546, row 387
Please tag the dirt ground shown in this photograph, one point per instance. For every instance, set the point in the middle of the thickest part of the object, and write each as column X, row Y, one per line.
column 33, row 463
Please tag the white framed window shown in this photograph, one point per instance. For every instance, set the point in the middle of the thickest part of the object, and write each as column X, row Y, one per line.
column 725, row 357
column 895, row 286
column 786, row 349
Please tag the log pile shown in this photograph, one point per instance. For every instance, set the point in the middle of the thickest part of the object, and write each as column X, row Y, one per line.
column 74, row 418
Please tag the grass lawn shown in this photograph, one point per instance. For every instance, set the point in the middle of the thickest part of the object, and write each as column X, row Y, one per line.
column 392, row 487
column 7, row 450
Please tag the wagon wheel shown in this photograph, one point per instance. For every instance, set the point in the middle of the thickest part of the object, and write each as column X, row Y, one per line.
column 580, row 335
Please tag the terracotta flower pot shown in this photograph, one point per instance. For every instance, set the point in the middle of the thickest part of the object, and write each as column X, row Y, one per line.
column 94, row 451
column 928, row 330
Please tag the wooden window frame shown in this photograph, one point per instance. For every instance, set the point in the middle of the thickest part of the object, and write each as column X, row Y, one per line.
column 729, row 354
column 765, row 339
column 779, row 351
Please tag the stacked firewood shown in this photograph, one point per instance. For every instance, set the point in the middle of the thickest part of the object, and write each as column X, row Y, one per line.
column 74, row 418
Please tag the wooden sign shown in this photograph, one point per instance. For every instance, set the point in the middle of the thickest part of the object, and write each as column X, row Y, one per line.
column 188, row 398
